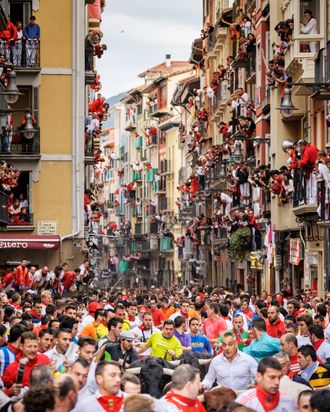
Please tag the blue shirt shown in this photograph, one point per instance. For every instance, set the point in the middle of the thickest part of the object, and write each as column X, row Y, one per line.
column 32, row 31
column 200, row 343
column 265, row 346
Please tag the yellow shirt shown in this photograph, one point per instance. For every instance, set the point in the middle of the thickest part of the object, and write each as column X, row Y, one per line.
column 101, row 331
column 159, row 345
column 126, row 325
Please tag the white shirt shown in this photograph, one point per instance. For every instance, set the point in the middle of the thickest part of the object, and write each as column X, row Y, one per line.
column 237, row 375
column 249, row 399
column 42, row 280
column 327, row 333
column 93, row 125
column 323, row 351
column 145, row 335
column 303, row 340
column 310, row 28
column 290, row 387
column 52, row 354
column 86, row 320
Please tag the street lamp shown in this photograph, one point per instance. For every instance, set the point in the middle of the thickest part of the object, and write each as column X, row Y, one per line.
column 11, row 92
column 28, row 130
column 286, row 108
column 223, row 171
column 287, row 144
column 237, row 149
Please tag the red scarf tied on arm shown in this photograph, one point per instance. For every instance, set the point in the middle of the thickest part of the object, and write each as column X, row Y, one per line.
column 268, row 401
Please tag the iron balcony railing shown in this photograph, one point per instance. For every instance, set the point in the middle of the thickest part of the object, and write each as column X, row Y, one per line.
column 22, row 146
column 23, row 54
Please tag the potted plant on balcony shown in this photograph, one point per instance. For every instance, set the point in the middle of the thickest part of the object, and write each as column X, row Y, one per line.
column 240, row 243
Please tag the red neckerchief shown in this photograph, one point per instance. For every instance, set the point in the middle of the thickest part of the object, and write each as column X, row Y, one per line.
column 185, row 315
column 111, row 403
column 131, row 318
column 34, row 315
column 184, row 404
column 268, row 401
column 13, row 349
column 318, row 344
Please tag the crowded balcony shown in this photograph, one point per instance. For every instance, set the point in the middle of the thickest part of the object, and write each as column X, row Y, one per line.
column 131, row 118
column 14, row 186
column 151, row 135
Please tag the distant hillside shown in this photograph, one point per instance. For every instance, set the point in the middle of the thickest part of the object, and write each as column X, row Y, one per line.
column 112, row 101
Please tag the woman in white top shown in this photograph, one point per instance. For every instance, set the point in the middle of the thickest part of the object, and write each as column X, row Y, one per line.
column 309, row 27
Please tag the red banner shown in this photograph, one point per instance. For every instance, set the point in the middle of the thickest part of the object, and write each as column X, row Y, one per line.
column 29, row 242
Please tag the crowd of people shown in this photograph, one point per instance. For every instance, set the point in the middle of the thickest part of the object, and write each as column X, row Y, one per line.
column 67, row 347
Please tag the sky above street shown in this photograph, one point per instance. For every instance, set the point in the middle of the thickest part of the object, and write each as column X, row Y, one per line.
column 138, row 34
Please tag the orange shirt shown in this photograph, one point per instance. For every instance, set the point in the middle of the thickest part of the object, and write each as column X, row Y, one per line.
column 90, row 330
column 168, row 312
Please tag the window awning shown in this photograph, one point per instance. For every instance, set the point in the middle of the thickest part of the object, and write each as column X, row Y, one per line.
column 49, row 242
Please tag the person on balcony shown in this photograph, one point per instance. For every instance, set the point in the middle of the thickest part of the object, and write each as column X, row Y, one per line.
column 17, row 45
column 6, row 130
column 32, row 35
column 14, row 212
column 323, row 175
column 6, row 36
column 309, row 26
column 309, row 154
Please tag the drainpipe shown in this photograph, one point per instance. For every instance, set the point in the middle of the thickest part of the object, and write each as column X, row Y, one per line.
column 78, row 25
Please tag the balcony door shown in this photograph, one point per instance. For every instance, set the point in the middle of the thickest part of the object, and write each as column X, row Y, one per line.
column 20, row 11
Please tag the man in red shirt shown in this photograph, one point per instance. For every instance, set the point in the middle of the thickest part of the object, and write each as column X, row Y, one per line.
column 214, row 325
column 29, row 348
column 22, row 272
column 307, row 164
column 289, row 345
column 69, row 279
column 9, row 279
column 158, row 316
column 275, row 326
